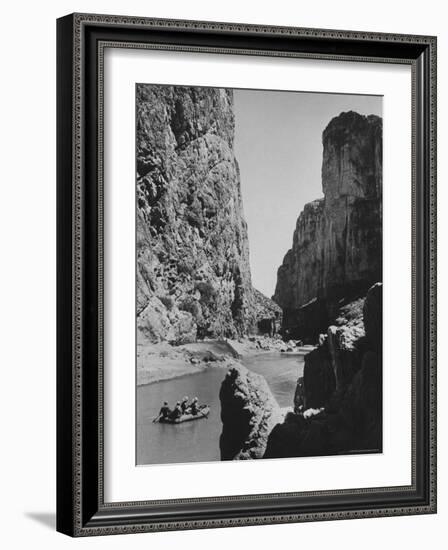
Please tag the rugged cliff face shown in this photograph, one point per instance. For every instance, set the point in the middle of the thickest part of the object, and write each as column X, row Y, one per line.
column 268, row 314
column 337, row 244
column 343, row 379
column 332, row 365
column 193, row 275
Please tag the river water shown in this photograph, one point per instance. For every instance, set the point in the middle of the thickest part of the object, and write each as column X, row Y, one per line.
column 199, row 441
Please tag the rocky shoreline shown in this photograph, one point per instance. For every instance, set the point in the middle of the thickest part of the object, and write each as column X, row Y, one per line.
column 163, row 361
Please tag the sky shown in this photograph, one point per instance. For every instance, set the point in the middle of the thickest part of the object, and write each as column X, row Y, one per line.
column 278, row 146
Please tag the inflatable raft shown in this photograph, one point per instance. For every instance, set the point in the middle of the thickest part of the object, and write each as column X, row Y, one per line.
column 203, row 413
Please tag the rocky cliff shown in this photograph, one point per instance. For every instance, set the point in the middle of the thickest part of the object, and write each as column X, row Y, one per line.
column 337, row 244
column 193, row 275
column 342, row 383
column 267, row 313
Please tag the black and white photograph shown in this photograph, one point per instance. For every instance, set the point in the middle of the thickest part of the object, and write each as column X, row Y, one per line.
column 258, row 274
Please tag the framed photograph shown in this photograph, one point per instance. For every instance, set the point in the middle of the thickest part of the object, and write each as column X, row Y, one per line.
column 246, row 274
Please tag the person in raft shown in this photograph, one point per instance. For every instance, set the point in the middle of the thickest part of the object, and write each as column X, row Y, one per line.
column 177, row 412
column 194, row 407
column 184, row 404
column 164, row 412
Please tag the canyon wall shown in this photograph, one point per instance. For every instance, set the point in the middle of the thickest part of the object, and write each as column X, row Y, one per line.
column 193, row 274
column 342, row 383
column 337, row 243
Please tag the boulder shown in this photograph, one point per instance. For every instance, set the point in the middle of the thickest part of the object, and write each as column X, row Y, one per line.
column 249, row 412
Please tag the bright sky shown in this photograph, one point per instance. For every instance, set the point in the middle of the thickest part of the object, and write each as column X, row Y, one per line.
column 278, row 145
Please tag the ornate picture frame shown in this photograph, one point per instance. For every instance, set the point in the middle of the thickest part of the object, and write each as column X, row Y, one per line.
column 81, row 506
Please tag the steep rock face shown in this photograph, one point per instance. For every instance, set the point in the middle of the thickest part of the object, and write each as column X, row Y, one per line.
column 331, row 366
column 193, row 275
column 267, row 313
column 249, row 412
column 343, row 376
column 337, row 243
column 265, row 307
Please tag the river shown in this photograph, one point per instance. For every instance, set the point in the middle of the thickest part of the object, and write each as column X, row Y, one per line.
column 199, row 441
